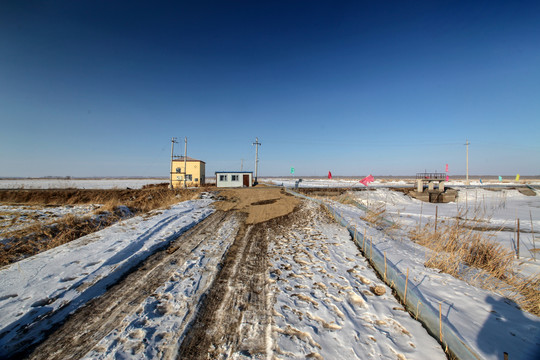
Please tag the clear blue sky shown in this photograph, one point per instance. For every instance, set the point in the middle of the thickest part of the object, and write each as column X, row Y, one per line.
column 96, row 88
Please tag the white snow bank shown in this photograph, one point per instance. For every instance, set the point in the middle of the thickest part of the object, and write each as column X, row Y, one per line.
column 290, row 182
column 333, row 183
column 488, row 323
column 163, row 317
column 324, row 305
column 64, row 278
column 498, row 210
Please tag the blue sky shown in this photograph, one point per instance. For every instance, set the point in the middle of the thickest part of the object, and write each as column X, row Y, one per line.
column 95, row 88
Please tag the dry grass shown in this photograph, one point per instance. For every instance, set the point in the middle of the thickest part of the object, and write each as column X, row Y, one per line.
column 138, row 200
column 464, row 249
column 472, row 256
column 40, row 237
column 375, row 215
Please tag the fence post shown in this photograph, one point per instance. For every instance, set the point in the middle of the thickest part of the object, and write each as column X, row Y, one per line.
column 385, row 266
column 440, row 322
column 518, row 238
column 436, row 213
column 406, row 283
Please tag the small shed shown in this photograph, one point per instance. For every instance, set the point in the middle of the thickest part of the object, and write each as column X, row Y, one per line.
column 234, row 178
column 187, row 171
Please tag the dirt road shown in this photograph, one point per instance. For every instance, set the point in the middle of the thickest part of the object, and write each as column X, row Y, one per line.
column 231, row 293
column 266, row 275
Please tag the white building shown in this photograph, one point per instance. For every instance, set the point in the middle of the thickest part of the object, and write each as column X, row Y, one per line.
column 234, row 178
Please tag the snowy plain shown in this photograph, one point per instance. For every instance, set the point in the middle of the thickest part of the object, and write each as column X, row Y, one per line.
column 14, row 217
column 489, row 323
column 66, row 277
column 72, row 274
column 325, row 306
column 53, row 183
column 291, row 182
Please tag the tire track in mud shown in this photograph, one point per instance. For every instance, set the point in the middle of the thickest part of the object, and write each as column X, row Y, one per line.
column 235, row 317
column 87, row 326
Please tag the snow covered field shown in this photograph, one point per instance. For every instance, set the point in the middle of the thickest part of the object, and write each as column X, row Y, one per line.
column 322, row 289
column 64, row 278
column 325, row 304
column 19, row 216
column 382, row 183
column 496, row 210
column 489, row 323
column 78, row 183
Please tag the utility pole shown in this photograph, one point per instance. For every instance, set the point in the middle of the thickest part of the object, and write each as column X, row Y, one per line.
column 256, row 143
column 173, row 141
column 467, row 144
column 185, row 161
column 242, row 165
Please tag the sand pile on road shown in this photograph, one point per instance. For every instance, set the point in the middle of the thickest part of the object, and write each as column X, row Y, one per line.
column 260, row 203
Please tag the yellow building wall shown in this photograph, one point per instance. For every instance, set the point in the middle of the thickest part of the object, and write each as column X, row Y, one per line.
column 194, row 168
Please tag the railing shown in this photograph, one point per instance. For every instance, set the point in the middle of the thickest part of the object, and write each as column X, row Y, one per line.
column 431, row 176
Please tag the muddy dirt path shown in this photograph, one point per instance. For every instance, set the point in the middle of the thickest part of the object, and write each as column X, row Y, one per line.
column 84, row 329
column 226, row 310
column 236, row 315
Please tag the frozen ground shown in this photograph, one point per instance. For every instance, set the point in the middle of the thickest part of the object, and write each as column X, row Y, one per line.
column 381, row 183
column 491, row 324
column 497, row 210
column 325, row 306
column 14, row 217
column 78, row 183
column 62, row 279
column 317, row 289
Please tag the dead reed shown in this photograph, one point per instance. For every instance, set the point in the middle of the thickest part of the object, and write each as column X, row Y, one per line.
column 40, row 237
column 116, row 205
column 472, row 256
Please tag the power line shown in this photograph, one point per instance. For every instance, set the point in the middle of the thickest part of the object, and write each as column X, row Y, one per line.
column 467, row 144
column 173, row 141
column 256, row 143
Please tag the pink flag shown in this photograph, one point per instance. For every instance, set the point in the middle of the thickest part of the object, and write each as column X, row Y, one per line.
column 446, row 167
column 447, row 178
column 329, row 175
column 367, row 180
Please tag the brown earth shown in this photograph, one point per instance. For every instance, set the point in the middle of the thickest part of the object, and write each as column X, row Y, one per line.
column 260, row 203
column 136, row 199
column 88, row 325
column 233, row 312
column 40, row 236
column 237, row 311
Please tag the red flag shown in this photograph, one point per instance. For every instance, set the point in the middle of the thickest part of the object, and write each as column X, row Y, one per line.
column 329, row 175
column 367, row 180
column 447, row 178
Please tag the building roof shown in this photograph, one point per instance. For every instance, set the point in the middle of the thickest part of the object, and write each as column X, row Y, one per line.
column 234, row 172
column 181, row 158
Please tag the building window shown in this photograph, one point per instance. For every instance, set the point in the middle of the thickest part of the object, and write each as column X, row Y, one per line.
column 196, row 179
column 178, row 170
column 235, row 177
column 188, row 177
column 222, row 177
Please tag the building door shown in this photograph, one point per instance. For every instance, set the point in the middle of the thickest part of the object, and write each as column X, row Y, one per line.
column 246, row 180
